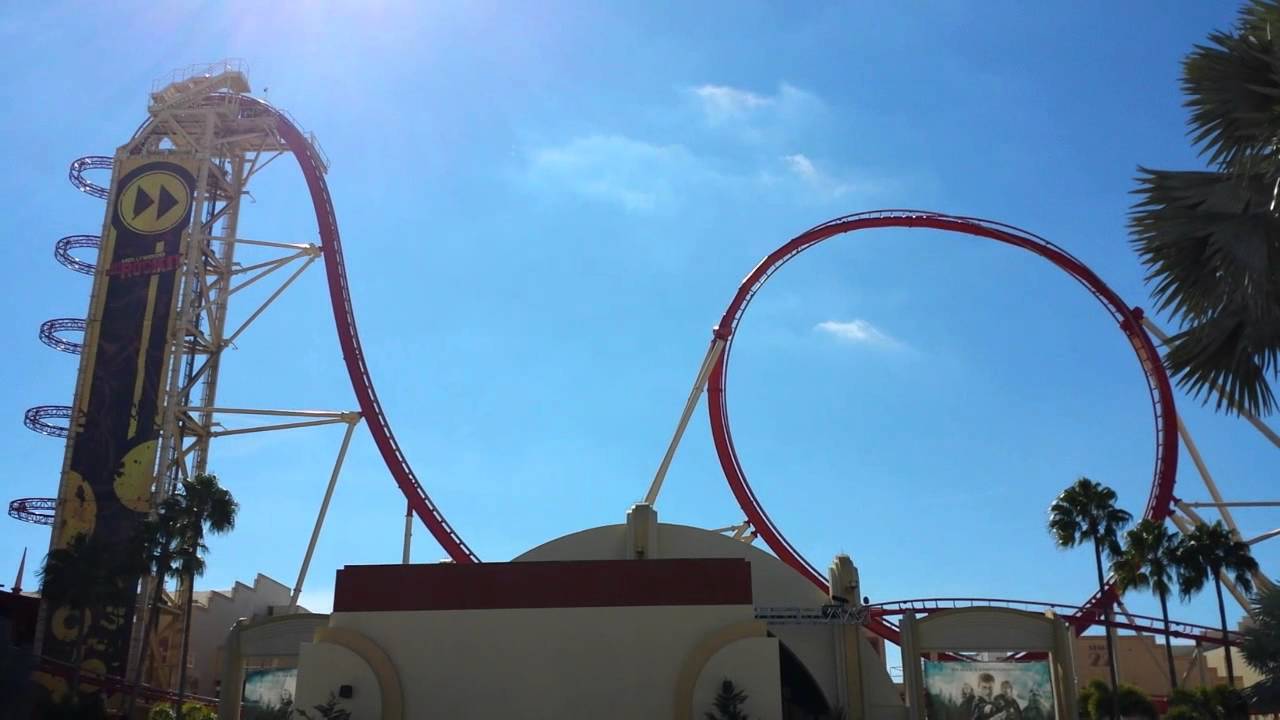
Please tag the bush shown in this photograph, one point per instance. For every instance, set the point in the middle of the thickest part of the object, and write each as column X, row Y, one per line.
column 1181, row 712
column 1218, row 703
column 1085, row 701
column 1134, row 703
column 190, row 711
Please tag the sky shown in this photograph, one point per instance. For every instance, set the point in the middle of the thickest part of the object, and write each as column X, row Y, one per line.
column 546, row 207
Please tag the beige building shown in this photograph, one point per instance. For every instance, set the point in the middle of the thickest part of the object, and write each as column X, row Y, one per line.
column 639, row 620
column 213, row 612
column 1140, row 661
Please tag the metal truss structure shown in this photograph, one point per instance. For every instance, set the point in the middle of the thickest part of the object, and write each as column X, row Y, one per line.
column 205, row 113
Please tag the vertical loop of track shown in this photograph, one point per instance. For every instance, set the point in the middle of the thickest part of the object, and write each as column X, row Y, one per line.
column 349, row 339
column 1159, row 503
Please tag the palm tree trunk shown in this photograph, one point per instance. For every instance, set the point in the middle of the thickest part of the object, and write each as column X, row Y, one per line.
column 77, row 655
column 186, row 641
column 1111, row 655
column 1226, row 646
column 144, row 654
column 1168, row 642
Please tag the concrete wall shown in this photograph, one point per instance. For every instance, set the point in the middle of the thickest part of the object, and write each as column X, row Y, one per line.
column 617, row 662
column 325, row 667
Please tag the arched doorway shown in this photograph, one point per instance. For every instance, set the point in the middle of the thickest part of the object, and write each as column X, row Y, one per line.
column 802, row 698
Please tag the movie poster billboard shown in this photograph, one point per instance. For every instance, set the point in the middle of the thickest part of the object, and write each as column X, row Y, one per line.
column 267, row 691
column 988, row 691
column 109, row 469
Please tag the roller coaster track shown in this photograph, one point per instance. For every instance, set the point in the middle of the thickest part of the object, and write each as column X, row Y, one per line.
column 881, row 616
column 1073, row 615
column 1159, row 504
column 312, row 165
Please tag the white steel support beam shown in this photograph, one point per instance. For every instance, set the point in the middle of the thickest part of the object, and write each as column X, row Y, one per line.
column 1264, row 536
column 324, row 509
column 310, row 253
column 408, row 533
column 268, row 428
column 1207, row 478
column 1184, row 525
column 220, row 343
column 340, row 415
column 262, row 243
column 1262, row 427
column 1222, row 506
column 699, row 383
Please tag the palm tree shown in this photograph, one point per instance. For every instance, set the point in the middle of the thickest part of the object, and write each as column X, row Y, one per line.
column 1209, row 238
column 1086, row 512
column 157, row 540
column 1150, row 561
column 1261, row 650
column 83, row 575
column 200, row 504
column 1209, row 551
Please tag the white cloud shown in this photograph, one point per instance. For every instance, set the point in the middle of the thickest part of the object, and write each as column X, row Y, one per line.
column 754, row 114
column 817, row 180
column 859, row 331
column 721, row 101
column 801, row 165
column 637, row 175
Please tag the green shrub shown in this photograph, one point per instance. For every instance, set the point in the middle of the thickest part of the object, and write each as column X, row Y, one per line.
column 1095, row 702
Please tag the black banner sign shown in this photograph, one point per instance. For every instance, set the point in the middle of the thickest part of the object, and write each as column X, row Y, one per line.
column 107, row 484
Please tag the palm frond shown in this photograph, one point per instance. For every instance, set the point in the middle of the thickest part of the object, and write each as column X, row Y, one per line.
column 1233, row 88
column 1211, row 245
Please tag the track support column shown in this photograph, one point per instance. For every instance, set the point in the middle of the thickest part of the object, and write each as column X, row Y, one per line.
column 352, row 420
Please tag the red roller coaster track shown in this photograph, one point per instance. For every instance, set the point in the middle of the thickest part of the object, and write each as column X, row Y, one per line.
column 1129, row 319
column 349, row 339
column 1092, row 612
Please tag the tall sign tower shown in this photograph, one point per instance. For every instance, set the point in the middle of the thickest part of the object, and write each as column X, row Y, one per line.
column 145, row 397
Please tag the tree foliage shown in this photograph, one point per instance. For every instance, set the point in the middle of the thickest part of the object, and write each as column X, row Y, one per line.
column 1216, row 703
column 1095, row 702
column 1261, row 650
column 1086, row 512
column 1152, row 560
column 1208, row 551
column 728, row 703
column 1211, row 239
column 328, row 710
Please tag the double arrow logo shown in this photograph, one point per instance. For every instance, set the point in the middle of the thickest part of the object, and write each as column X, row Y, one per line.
column 154, row 202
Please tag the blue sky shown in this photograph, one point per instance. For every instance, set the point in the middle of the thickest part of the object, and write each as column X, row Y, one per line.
column 545, row 211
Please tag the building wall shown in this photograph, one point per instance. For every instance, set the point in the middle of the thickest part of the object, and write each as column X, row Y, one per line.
column 552, row 663
column 773, row 583
column 329, row 667
column 212, row 616
column 1140, row 661
column 612, row 622
column 1245, row 675
column 752, row 665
